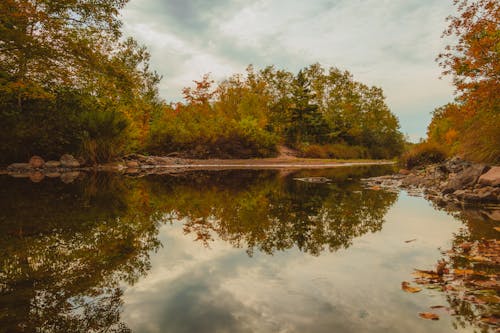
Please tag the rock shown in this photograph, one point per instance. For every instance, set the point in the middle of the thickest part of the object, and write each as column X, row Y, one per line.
column 52, row 164
column 467, row 178
column 19, row 167
column 36, row 162
column 413, row 180
column 69, row 177
column 455, row 165
column 491, row 178
column 404, row 172
column 132, row 164
column 494, row 215
column 36, row 177
column 68, row 161
column 314, row 180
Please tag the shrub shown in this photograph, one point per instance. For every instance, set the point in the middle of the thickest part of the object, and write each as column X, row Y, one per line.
column 337, row 150
column 422, row 154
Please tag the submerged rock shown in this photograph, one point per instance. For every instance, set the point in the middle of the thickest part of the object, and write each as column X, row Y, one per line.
column 69, row 177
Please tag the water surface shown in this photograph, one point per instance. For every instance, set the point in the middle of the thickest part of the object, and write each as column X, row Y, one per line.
column 223, row 251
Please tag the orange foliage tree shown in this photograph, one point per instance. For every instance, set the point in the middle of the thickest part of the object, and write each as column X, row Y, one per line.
column 471, row 124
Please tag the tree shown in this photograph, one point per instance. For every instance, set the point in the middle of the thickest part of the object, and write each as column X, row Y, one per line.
column 473, row 63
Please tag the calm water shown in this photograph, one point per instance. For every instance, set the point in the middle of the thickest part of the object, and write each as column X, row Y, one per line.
column 223, row 251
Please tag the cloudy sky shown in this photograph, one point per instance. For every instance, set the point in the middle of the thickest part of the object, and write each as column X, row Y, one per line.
column 388, row 43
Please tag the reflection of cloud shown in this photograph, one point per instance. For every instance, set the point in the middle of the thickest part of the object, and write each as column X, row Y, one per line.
column 390, row 43
column 194, row 289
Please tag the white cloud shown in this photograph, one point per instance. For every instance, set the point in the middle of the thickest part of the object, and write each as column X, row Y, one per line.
column 388, row 43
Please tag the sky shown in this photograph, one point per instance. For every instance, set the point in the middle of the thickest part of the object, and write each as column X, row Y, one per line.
column 387, row 43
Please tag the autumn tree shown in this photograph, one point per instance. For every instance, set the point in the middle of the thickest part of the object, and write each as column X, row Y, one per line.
column 471, row 122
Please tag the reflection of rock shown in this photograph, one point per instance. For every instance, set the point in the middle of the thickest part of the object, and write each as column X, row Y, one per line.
column 36, row 177
column 492, row 177
column 132, row 164
column 314, row 180
column 52, row 174
column 36, row 162
column 68, row 161
column 52, row 164
column 69, row 177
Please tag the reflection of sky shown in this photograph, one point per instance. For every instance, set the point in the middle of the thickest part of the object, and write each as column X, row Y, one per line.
column 194, row 289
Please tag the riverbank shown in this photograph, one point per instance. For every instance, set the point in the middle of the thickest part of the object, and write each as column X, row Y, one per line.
column 454, row 182
column 69, row 168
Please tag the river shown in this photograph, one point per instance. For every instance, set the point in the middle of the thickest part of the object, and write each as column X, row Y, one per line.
column 227, row 251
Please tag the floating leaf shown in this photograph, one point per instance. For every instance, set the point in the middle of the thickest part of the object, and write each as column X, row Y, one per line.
column 428, row 315
column 409, row 289
column 463, row 271
column 426, row 274
column 411, row 240
column 491, row 320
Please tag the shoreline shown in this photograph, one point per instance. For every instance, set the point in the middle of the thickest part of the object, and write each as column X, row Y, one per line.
column 454, row 183
column 140, row 165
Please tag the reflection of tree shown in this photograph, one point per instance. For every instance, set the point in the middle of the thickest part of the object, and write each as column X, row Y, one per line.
column 65, row 249
column 260, row 211
column 471, row 282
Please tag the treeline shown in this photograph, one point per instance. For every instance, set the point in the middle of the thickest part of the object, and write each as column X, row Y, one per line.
column 71, row 83
column 321, row 112
column 470, row 125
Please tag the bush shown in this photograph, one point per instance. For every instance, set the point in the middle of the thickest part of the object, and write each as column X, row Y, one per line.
column 337, row 150
column 423, row 154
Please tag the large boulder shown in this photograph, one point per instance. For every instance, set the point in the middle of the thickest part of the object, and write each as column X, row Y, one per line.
column 465, row 179
column 68, row 161
column 491, row 178
column 36, row 162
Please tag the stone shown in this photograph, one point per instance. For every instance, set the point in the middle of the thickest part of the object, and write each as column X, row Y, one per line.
column 467, row 178
column 68, row 161
column 19, row 166
column 36, row 162
column 132, row 164
column 52, row 164
column 69, row 177
column 404, row 172
column 491, row 177
column 494, row 215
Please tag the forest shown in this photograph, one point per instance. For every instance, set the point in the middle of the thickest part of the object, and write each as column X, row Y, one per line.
column 71, row 82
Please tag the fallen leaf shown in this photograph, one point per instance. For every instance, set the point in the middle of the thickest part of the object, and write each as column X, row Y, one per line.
column 491, row 320
column 411, row 240
column 409, row 289
column 438, row 307
column 426, row 274
column 428, row 315
column 463, row 271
